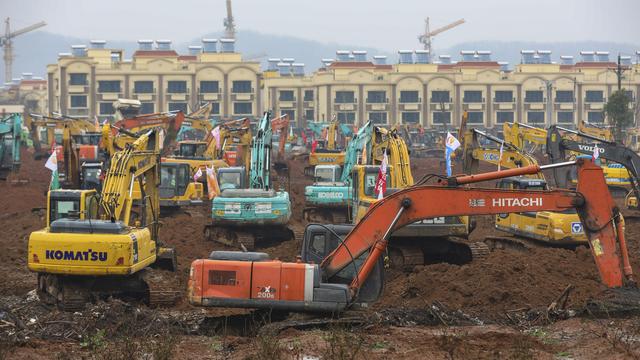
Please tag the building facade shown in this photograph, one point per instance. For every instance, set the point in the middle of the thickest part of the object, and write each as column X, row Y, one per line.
column 417, row 91
column 28, row 91
column 86, row 82
column 352, row 87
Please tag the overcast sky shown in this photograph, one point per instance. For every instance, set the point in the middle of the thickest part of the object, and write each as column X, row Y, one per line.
column 388, row 25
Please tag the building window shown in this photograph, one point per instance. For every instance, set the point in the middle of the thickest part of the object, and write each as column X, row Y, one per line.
column 242, row 108
column 409, row 97
column 308, row 95
column 106, row 108
column 595, row 117
column 504, row 96
column 78, row 101
column 442, row 118
column 535, row 117
column 347, row 117
column 286, row 95
column 565, row 117
column 109, row 86
column 345, row 97
column 504, row 116
column 629, row 94
column 410, row 117
column 147, row 108
column 533, row 96
column 594, row 96
column 215, row 108
column 475, row 117
column 440, row 97
column 376, row 97
column 77, row 79
column 472, row 96
column 178, row 106
column 378, row 117
column 143, row 87
column 291, row 113
column 209, row 87
column 564, row 96
column 177, row 87
column 309, row 115
column 241, row 86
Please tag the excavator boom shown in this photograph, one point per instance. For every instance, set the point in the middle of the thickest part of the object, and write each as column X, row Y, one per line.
column 592, row 200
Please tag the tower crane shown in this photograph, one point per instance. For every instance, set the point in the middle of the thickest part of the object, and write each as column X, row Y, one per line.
column 6, row 41
column 427, row 38
column 229, row 24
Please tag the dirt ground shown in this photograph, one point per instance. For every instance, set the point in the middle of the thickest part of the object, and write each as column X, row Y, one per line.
column 492, row 309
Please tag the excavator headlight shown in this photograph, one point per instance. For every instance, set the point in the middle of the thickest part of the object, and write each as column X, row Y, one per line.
column 219, row 212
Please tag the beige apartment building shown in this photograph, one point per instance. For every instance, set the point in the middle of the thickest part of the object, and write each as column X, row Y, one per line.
column 85, row 82
column 27, row 92
column 417, row 90
column 352, row 87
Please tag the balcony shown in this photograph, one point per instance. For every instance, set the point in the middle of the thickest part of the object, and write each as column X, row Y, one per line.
column 287, row 104
column 376, row 107
column 242, row 97
column 440, row 106
column 109, row 96
column 309, row 103
column 75, row 89
column 410, row 107
column 145, row 97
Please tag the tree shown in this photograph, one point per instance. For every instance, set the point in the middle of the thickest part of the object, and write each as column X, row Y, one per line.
column 618, row 112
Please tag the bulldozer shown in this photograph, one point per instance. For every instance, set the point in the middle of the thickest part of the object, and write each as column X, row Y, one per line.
column 95, row 244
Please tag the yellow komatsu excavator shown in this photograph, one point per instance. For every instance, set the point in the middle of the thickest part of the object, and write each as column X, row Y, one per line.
column 554, row 228
column 100, row 244
column 326, row 151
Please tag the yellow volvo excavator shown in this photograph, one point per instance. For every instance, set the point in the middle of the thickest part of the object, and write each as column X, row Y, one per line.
column 553, row 228
column 96, row 245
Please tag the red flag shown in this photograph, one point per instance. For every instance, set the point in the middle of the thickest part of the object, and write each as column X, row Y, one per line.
column 304, row 137
column 381, row 182
column 314, row 145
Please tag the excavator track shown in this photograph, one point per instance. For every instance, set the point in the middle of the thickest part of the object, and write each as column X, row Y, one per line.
column 247, row 240
column 339, row 218
column 73, row 296
column 479, row 251
column 163, row 287
column 406, row 257
column 523, row 244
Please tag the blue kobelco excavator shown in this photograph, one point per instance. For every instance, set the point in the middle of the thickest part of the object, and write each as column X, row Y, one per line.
column 10, row 134
column 245, row 214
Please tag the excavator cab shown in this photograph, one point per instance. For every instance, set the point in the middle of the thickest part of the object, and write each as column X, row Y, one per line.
column 192, row 149
column 177, row 187
column 327, row 173
column 71, row 204
column 320, row 240
column 91, row 175
column 232, row 178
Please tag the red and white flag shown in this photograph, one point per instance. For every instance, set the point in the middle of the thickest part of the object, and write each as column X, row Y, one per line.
column 381, row 182
column 216, row 135
column 197, row 175
column 596, row 153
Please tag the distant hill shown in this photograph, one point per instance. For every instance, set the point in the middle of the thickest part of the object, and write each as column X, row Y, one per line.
column 37, row 49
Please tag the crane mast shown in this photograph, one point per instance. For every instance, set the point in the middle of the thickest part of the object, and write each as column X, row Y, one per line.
column 229, row 23
column 6, row 41
column 427, row 38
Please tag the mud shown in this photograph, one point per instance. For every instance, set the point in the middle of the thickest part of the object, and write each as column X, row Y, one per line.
column 480, row 292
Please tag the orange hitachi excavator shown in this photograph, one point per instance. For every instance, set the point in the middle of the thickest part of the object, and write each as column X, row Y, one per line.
column 352, row 272
column 280, row 127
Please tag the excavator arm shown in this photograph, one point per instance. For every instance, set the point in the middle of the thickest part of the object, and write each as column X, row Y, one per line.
column 389, row 141
column 10, row 137
column 603, row 223
column 511, row 157
column 359, row 144
column 519, row 134
column 259, row 172
column 557, row 146
column 281, row 124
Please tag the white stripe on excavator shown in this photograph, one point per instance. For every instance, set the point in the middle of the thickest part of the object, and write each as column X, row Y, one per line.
column 308, row 282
